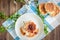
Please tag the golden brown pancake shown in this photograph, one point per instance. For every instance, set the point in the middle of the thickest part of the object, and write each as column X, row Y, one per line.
column 52, row 9
column 29, row 29
column 22, row 31
column 56, row 11
column 42, row 8
column 49, row 7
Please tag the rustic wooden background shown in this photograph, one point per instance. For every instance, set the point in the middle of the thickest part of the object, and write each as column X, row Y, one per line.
column 8, row 7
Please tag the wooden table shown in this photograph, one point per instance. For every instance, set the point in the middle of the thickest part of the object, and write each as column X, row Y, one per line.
column 9, row 8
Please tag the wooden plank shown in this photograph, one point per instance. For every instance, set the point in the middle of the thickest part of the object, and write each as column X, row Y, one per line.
column 9, row 37
column 15, row 6
column 6, row 7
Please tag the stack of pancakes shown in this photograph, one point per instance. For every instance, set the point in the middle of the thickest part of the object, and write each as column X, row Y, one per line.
column 29, row 29
column 50, row 8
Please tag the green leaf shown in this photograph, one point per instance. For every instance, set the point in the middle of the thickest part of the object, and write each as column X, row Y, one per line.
column 45, row 29
column 15, row 16
column 3, row 16
column 2, row 29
